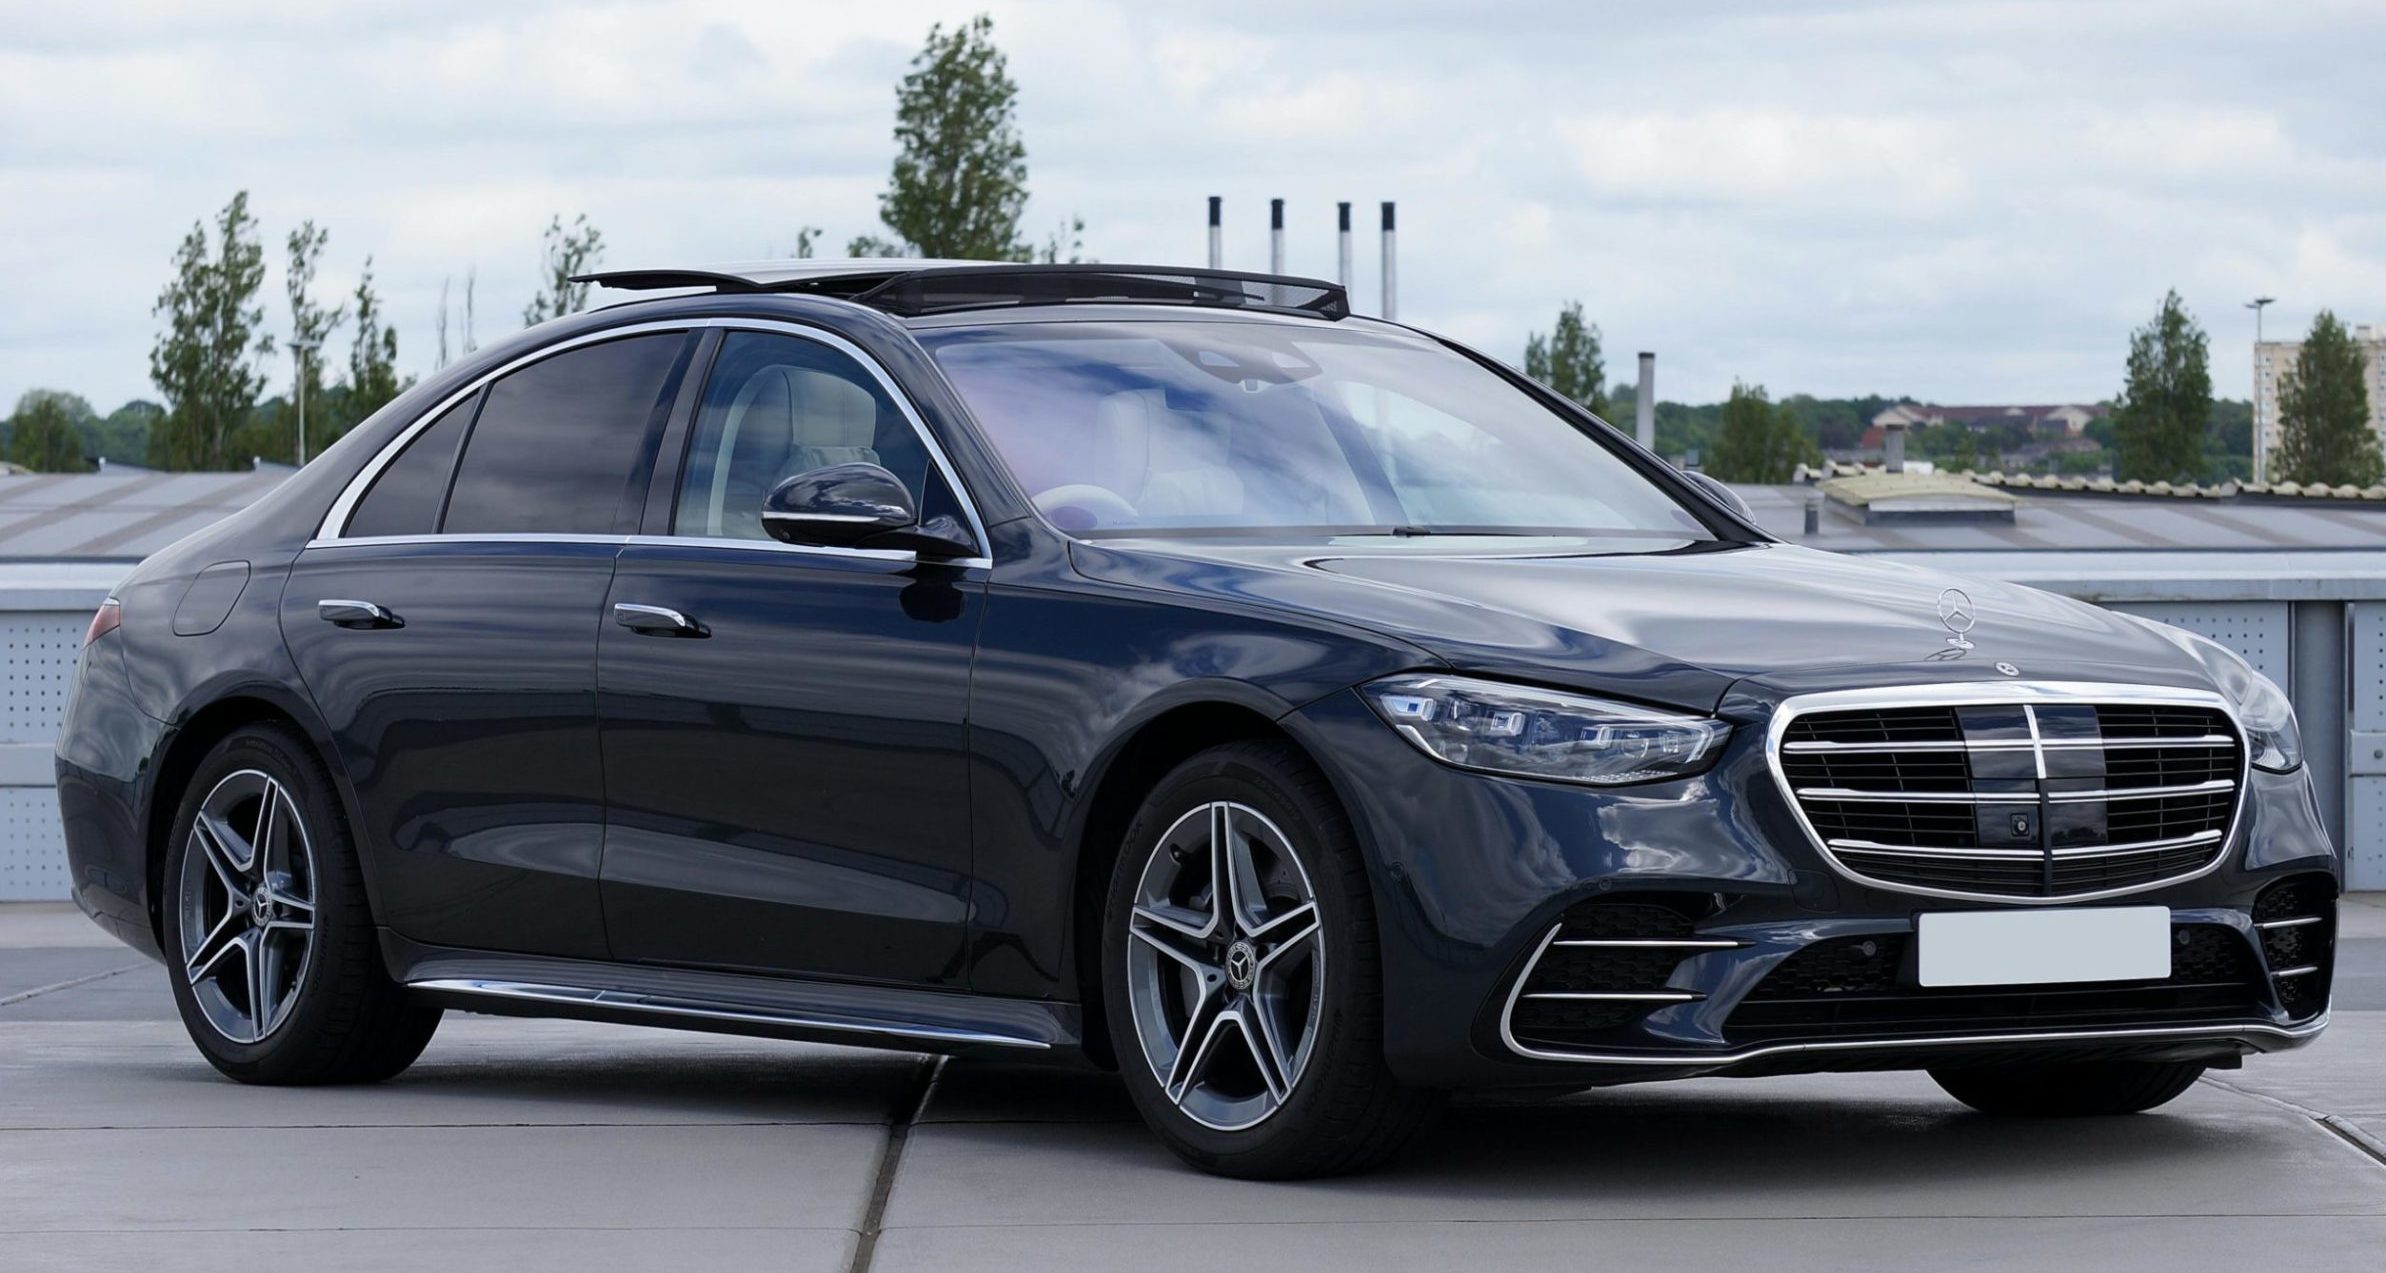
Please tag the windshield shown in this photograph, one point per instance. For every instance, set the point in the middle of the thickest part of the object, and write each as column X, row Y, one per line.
column 1235, row 428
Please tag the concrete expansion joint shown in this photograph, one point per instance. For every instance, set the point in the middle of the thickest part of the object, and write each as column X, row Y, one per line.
column 890, row 1161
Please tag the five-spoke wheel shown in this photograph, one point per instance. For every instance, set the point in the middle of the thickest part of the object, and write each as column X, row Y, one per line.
column 272, row 952
column 248, row 905
column 1225, row 972
column 1240, row 972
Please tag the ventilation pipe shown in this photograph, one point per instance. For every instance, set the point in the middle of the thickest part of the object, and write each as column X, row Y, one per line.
column 1342, row 246
column 1893, row 448
column 1275, row 236
column 1391, row 290
column 1217, row 244
column 1644, row 402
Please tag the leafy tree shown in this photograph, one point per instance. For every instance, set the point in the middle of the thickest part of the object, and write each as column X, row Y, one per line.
column 1758, row 442
column 1567, row 360
column 372, row 358
column 123, row 436
column 207, row 361
column 2159, row 425
column 2323, row 413
column 960, row 177
column 45, row 433
column 309, row 321
column 569, row 251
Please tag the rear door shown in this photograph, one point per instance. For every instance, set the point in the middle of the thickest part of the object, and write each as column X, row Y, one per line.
column 448, row 635
column 787, row 771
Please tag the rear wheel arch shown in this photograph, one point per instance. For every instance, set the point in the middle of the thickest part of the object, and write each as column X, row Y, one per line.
column 188, row 744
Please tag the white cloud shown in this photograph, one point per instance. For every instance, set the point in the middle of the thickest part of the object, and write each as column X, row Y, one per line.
column 1960, row 200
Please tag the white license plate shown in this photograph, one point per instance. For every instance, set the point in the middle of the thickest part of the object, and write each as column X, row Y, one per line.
column 2023, row 948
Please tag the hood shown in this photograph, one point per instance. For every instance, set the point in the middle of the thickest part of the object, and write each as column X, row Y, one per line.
column 1666, row 621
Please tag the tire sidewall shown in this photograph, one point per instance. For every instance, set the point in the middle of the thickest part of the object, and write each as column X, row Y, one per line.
column 1321, row 839
column 274, row 753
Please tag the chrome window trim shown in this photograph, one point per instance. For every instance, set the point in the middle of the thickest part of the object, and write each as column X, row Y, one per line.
column 2002, row 693
column 332, row 530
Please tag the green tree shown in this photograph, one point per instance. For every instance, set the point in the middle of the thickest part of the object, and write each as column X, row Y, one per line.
column 2323, row 413
column 2158, row 427
column 1758, row 442
column 207, row 362
column 310, row 323
column 372, row 359
column 45, row 433
column 570, row 251
column 1567, row 360
column 122, row 437
column 960, row 177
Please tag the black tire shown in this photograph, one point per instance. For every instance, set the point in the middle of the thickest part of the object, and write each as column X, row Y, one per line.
column 2080, row 1089
column 1344, row 1112
column 346, row 1020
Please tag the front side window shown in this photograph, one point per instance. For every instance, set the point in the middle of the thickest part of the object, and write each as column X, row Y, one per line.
column 1242, row 428
column 776, row 406
column 564, row 446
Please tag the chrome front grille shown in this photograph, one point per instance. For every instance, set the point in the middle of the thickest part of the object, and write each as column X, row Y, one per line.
column 2013, row 792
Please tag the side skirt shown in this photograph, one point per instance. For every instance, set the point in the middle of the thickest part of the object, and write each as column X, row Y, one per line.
column 850, row 1013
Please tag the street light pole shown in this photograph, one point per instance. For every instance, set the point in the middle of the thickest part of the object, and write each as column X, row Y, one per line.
column 299, row 392
column 2261, row 452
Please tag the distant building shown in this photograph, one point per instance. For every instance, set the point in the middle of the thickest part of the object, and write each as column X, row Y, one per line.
column 2273, row 360
column 2073, row 417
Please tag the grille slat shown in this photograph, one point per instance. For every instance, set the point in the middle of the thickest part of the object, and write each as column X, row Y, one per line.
column 2053, row 799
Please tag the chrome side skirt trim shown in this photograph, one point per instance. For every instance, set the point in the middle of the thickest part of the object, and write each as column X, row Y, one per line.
column 1648, row 943
column 634, row 1002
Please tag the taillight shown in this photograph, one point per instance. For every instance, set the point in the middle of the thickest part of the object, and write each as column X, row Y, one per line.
column 104, row 620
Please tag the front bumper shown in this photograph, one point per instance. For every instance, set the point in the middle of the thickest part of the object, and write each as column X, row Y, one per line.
column 1473, row 874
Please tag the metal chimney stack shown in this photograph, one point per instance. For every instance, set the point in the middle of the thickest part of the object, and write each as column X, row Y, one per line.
column 1217, row 244
column 1644, row 402
column 1275, row 236
column 1391, row 290
column 1342, row 253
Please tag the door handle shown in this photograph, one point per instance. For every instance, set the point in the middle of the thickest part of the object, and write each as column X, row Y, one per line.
column 656, row 621
column 357, row 614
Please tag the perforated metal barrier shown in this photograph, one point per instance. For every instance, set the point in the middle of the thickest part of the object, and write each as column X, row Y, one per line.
column 37, row 666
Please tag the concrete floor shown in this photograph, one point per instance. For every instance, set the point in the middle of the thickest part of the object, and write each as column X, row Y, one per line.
column 528, row 1146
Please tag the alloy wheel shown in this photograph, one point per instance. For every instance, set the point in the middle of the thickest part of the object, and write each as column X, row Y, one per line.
column 1225, row 966
column 247, row 901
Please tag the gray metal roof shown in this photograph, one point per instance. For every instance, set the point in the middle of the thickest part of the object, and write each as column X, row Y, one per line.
column 2056, row 523
column 120, row 516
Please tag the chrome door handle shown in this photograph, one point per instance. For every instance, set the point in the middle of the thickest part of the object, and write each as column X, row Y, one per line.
column 656, row 620
column 357, row 614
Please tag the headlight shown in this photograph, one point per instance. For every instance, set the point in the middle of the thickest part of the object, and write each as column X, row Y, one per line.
column 1530, row 733
column 2262, row 707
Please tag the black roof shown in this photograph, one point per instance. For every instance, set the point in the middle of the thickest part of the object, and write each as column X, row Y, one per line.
column 911, row 288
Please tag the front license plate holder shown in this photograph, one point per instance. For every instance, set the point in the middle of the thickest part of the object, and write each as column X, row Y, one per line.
column 2043, row 947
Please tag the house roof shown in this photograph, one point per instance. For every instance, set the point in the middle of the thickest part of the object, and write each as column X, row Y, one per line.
column 117, row 515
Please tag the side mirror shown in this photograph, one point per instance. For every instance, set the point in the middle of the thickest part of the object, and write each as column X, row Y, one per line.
column 857, row 506
column 1721, row 493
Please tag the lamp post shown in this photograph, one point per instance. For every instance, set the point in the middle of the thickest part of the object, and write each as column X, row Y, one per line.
column 2261, row 435
column 302, row 348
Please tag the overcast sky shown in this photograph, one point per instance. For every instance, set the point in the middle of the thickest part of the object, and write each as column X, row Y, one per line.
column 1967, row 202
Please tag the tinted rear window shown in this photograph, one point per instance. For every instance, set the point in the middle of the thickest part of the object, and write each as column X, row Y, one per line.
column 564, row 446
column 404, row 500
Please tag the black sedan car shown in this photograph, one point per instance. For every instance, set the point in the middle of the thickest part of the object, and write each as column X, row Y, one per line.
column 1164, row 670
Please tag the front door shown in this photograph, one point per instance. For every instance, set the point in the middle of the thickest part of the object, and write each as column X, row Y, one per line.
column 784, row 728
column 448, row 637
